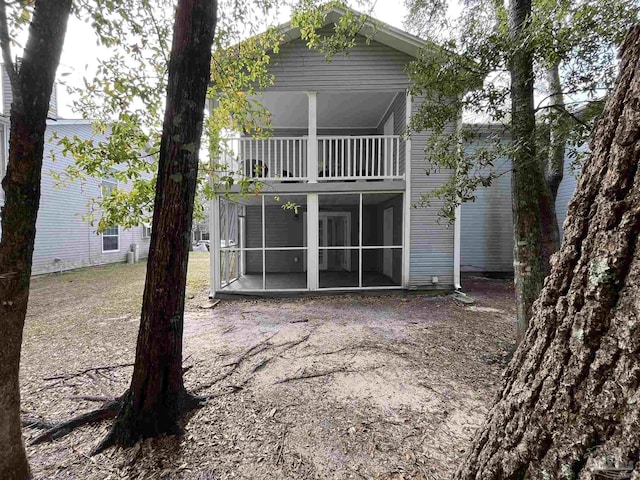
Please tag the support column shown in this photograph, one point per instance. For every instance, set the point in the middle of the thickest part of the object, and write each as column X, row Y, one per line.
column 214, row 244
column 406, row 240
column 456, row 249
column 312, row 241
column 312, row 140
column 214, row 219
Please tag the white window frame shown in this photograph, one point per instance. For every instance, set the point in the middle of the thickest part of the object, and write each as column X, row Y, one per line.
column 111, row 236
column 146, row 230
column 113, row 185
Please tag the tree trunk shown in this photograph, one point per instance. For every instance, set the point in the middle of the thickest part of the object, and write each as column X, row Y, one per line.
column 553, row 170
column 32, row 87
column 157, row 399
column 527, row 180
column 569, row 406
column 557, row 140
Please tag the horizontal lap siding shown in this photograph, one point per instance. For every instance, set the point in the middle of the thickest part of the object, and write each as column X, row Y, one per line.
column 398, row 109
column 64, row 240
column 487, row 223
column 567, row 188
column 366, row 67
column 431, row 245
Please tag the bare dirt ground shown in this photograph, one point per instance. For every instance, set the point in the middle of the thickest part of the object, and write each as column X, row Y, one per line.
column 330, row 387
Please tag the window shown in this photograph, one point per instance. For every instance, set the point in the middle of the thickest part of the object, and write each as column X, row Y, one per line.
column 111, row 239
column 146, row 230
column 108, row 186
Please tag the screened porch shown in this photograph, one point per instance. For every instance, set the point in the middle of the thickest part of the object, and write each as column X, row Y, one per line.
column 304, row 242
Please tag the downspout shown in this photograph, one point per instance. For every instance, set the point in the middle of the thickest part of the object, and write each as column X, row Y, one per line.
column 457, row 220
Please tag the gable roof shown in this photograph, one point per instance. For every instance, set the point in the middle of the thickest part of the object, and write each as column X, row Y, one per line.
column 379, row 31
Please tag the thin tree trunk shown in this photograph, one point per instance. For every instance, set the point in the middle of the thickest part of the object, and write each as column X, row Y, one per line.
column 557, row 140
column 157, row 399
column 32, row 87
column 570, row 403
column 528, row 177
column 553, row 170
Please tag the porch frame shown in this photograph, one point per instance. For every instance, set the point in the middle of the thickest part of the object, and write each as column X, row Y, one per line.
column 312, row 248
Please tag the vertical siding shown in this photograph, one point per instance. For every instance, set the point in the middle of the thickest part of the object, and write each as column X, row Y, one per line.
column 64, row 240
column 431, row 244
column 365, row 67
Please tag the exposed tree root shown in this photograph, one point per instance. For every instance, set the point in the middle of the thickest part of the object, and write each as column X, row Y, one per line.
column 120, row 433
column 250, row 353
column 108, row 410
column 35, row 422
column 306, row 376
column 69, row 376
column 90, row 398
column 131, row 426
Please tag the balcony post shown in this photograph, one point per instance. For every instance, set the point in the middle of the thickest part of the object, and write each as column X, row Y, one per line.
column 312, row 140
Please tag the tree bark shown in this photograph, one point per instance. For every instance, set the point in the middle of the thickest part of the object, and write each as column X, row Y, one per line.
column 32, row 86
column 527, row 180
column 157, row 399
column 569, row 406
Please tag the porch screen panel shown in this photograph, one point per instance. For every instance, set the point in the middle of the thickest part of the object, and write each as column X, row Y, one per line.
column 285, row 245
column 241, row 262
column 339, row 240
column 382, row 239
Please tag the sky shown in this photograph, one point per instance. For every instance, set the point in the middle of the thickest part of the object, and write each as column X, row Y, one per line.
column 80, row 50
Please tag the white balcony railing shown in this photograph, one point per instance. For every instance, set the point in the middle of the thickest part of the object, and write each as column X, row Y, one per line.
column 359, row 158
column 277, row 158
column 285, row 159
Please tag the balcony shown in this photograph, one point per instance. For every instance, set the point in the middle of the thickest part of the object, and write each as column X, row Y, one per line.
column 291, row 159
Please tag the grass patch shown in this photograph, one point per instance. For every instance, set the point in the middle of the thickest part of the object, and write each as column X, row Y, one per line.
column 103, row 292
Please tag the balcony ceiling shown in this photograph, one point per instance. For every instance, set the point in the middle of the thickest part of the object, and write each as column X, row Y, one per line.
column 335, row 109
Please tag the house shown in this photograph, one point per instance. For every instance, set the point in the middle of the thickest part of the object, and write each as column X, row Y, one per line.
column 337, row 156
column 487, row 223
column 340, row 180
column 64, row 239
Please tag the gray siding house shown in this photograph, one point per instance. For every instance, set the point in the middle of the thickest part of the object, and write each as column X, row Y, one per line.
column 65, row 241
column 487, row 223
column 338, row 153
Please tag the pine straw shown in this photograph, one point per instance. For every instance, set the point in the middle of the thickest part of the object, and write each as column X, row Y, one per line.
column 383, row 387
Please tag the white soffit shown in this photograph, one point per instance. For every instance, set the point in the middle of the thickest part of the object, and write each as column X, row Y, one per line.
column 335, row 109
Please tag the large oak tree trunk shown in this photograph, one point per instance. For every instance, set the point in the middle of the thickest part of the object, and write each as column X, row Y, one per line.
column 32, row 86
column 157, row 399
column 527, row 180
column 570, row 403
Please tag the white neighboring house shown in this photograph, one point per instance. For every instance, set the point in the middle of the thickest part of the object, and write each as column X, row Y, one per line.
column 65, row 241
